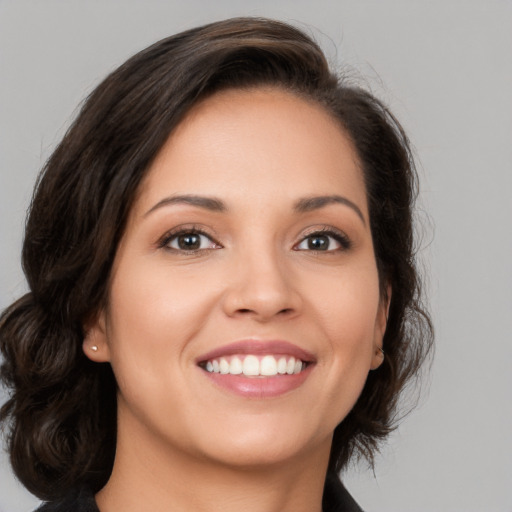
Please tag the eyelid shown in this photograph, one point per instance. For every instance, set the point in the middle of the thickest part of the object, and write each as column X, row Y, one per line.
column 337, row 234
column 163, row 241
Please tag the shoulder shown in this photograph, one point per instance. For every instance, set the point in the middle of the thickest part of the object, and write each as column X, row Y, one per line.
column 336, row 497
column 78, row 500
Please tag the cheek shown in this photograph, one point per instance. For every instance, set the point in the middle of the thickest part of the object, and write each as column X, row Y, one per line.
column 161, row 302
column 348, row 306
column 151, row 328
column 348, row 314
column 152, row 317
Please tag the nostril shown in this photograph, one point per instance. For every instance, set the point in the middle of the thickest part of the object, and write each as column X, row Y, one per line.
column 281, row 312
column 261, row 303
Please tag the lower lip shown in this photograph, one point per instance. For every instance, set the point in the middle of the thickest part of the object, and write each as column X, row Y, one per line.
column 259, row 387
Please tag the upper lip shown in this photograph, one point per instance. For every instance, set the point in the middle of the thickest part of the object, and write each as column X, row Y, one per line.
column 256, row 347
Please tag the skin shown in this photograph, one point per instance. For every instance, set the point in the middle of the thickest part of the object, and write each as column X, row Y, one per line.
column 183, row 440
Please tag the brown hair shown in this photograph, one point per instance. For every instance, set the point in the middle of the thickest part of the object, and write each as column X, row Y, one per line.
column 62, row 408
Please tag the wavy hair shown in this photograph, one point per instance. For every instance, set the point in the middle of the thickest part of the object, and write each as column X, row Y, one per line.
column 61, row 415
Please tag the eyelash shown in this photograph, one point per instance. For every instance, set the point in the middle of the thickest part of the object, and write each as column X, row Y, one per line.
column 340, row 237
column 164, row 243
column 166, row 240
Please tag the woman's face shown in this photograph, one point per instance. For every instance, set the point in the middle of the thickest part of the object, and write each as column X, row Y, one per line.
column 244, row 312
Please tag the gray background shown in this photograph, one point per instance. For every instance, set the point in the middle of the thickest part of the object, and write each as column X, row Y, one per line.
column 445, row 68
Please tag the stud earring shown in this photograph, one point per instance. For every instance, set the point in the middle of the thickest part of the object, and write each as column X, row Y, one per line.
column 94, row 348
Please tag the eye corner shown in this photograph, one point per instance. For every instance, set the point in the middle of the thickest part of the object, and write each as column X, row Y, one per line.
column 324, row 240
column 194, row 240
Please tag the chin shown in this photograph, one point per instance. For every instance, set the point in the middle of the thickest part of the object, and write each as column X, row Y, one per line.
column 264, row 444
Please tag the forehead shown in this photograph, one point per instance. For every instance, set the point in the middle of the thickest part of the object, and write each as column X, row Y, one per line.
column 261, row 143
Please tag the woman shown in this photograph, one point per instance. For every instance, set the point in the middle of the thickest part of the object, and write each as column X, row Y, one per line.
column 223, row 305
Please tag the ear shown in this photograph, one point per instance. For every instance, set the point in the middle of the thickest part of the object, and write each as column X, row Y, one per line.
column 95, row 344
column 380, row 329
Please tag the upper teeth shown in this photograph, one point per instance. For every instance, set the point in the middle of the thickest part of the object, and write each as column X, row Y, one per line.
column 251, row 365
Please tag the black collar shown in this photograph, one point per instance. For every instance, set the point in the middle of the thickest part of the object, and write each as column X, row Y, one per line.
column 335, row 499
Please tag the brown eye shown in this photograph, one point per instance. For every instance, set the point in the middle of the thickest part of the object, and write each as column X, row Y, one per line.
column 190, row 242
column 327, row 241
column 318, row 243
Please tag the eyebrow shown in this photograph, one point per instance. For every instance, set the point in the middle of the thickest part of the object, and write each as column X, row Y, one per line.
column 208, row 203
column 304, row 205
column 309, row 204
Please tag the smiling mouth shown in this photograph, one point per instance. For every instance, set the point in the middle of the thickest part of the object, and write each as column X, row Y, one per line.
column 251, row 365
column 257, row 369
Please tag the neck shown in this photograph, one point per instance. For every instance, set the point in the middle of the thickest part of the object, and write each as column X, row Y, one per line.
column 150, row 477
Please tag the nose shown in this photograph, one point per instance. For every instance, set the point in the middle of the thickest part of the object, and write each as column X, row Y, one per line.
column 262, row 287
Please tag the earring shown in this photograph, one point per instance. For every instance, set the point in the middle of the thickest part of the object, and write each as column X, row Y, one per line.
column 381, row 350
column 94, row 348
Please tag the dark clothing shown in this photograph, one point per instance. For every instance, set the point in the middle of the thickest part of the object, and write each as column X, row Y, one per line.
column 336, row 499
column 77, row 501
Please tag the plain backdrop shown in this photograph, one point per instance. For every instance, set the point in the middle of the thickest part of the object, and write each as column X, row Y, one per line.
column 445, row 68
